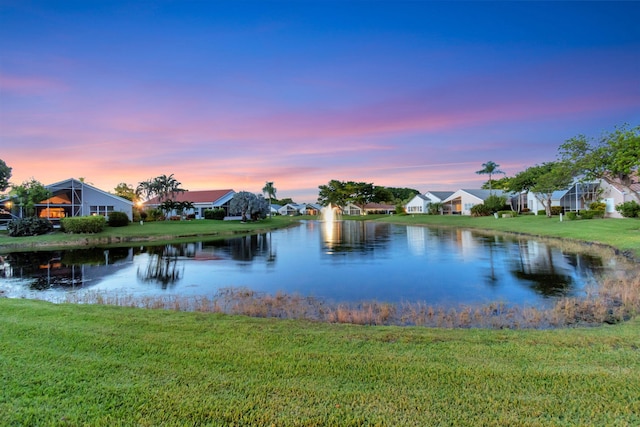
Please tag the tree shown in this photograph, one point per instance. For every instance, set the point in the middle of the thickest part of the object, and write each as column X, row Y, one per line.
column 28, row 195
column 5, row 175
column 163, row 187
column 490, row 168
column 125, row 191
column 543, row 180
column 248, row 205
column 334, row 193
column 270, row 191
column 615, row 157
column 498, row 184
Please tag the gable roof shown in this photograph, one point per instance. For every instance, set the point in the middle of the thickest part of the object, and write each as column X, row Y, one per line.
column 204, row 196
column 440, row 194
column 63, row 185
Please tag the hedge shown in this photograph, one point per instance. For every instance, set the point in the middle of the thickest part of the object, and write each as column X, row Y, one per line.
column 83, row 224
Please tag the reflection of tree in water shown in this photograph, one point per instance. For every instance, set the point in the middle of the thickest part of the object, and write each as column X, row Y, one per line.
column 163, row 266
column 538, row 267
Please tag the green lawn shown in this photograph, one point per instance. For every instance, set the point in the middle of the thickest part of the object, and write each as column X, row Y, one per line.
column 101, row 365
column 623, row 234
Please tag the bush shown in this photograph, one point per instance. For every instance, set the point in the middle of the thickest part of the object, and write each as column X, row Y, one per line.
column 507, row 213
column 152, row 215
column 495, row 203
column 571, row 216
column 31, row 226
column 83, row 224
column 629, row 209
column 217, row 213
column 118, row 219
column 598, row 207
column 480, row 210
column 587, row 214
column 556, row 210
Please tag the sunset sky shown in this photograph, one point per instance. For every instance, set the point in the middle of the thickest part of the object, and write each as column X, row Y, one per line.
column 230, row 94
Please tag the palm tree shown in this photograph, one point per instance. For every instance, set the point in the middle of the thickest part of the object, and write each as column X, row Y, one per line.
column 489, row 168
column 270, row 191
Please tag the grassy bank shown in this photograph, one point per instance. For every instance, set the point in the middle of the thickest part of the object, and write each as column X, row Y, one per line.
column 162, row 231
column 101, row 365
column 622, row 234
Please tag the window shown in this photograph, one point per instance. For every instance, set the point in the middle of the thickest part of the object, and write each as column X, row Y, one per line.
column 100, row 210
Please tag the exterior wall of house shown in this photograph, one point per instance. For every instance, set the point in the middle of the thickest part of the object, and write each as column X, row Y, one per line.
column 417, row 205
column 97, row 203
column 612, row 197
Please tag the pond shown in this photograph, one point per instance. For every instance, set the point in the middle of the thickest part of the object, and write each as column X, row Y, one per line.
column 344, row 261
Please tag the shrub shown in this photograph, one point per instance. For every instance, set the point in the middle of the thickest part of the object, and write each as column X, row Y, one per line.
column 480, row 210
column 571, row 216
column 629, row 209
column 507, row 213
column 118, row 219
column 556, row 210
column 587, row 214
column 30, row 226
column 495, row 203
column 598, row 206
column 217, row 213
column 152, row 215
column 83, row 224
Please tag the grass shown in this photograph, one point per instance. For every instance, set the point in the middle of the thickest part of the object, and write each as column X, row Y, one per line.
column 101, row 365
column 622, row 234
column 162, row 231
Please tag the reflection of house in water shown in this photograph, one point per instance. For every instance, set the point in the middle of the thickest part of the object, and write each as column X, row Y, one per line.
column 354, row 236
column 66, row 269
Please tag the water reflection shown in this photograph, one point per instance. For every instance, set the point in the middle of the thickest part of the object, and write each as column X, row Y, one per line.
column 354, row 236
column 338, row 260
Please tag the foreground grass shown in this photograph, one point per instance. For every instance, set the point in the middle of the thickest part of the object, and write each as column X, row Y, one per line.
column 161, row 231
column 622, row 234
column 100, row 365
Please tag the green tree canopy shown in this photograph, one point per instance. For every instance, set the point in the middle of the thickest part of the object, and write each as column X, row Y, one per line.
column 340, row 193
column 615, row 157
column 542, row 180
column 5, row 175
column 29, row 194
column 126, row 191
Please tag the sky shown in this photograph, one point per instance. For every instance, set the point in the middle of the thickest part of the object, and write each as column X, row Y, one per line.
column 232, row 94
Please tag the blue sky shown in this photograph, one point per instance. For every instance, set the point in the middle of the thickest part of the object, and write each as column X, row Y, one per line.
column 232, row 94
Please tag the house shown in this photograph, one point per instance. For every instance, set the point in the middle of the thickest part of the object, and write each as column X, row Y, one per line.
column 292, row 209
column 421, row 202
column 274, row 208
column 73, row 197
column 614, row 193
column 313, row 209
column 202, row 200
column 573, row 199
column 379, row 208
column 351, row 209
column 461, row 202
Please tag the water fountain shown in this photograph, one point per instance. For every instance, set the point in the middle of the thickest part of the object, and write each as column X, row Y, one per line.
column 331, row 230
column 330, row 213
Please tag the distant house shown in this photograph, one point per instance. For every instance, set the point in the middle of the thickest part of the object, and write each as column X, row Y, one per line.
column 351, row 209
column 461, row 202
column 73, row 197
column 379, row 208
column 312, row 209
column 292, row 209
column 420, row 203
column 275, row 208
column 202, row 200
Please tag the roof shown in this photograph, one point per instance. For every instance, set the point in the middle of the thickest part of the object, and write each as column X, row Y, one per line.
column 441, row 194
column 204, row 196
column 61, row 185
